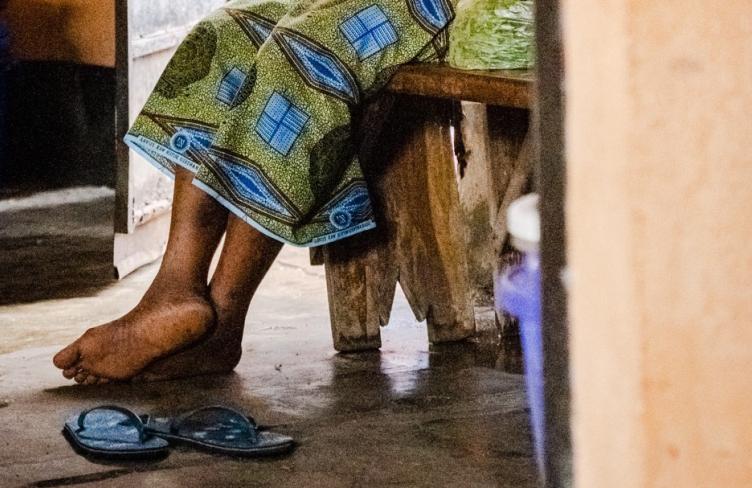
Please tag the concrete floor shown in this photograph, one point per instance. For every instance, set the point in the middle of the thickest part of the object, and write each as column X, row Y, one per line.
column 411, row 415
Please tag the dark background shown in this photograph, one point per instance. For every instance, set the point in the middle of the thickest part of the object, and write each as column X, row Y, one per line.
column 59, row 126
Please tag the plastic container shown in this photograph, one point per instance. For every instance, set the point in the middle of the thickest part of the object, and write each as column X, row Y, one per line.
column 493, row 34
column 519, row 294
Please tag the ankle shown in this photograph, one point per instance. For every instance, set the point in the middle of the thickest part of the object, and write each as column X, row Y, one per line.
column 179, row 281
column 230, row 299
column 231, row 313
column 231, row 317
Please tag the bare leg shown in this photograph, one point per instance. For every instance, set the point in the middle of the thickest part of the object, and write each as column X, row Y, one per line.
column 246, row 257
column 174, row 313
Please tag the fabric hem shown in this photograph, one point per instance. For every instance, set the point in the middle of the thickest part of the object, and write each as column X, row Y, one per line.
column 137, row 142
column 318, row 241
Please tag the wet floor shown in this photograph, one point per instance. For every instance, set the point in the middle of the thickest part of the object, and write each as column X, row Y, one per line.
column 410, row 415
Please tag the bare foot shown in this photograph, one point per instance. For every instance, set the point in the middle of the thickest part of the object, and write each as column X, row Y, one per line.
column 219, row 353
column 162, row 324
column 246, row 257
column 216, row 355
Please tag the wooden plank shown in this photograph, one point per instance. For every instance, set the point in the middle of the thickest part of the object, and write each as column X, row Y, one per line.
column 75, row 31
column 552, row 172
column 508, row 88
column 360, row 279
column 478, row 187
column 420, row 242
column 490, row 150
column 517, row 148
column 358, row 303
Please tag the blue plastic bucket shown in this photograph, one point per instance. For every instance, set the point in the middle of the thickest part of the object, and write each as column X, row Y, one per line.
column 520, row 297
column 519, row 294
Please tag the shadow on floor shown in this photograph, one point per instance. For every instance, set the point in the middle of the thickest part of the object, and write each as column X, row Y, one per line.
column 410, row 415
column 442, row 416
column 56, row 252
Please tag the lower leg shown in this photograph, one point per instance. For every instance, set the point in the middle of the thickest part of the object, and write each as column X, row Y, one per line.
column 246, row 257
column 197, row 225
column 174, row 312
column 245, row 260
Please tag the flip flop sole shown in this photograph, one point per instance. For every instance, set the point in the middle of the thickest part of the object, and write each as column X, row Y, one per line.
column 148, row 454
column 221, row 430
column 271, row 451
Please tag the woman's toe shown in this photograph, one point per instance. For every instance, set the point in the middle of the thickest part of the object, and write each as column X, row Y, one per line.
column 68, row 357
column 91, row 380
column 81, row 376
column 70, row 373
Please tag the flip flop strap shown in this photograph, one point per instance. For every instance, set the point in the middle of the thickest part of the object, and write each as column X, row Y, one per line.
column 135, row 419
column 248, row 422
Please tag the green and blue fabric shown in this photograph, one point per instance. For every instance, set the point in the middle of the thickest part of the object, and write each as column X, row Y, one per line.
column 259, row 99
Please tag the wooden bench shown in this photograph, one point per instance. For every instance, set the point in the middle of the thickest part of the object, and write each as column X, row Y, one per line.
column 439, row 222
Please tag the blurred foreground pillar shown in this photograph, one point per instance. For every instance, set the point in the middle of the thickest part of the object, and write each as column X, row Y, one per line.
column 659, row 127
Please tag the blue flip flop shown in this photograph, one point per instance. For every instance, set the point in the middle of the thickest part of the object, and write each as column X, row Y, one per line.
column 113, row 433
column 221, row 430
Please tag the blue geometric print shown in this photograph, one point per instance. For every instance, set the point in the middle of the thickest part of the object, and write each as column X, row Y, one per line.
column 433, row 15
column 254, row 189
column 257, row 28
column 281, row 123
column 191, row 138
column 348, row 209
column 319, row 67
column 263, row 31
column 369, row 31
column 230, row 86
column 180, row 142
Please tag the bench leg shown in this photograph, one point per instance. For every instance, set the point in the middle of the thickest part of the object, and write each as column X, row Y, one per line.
column 353, row 306
column 420, row 241
column 432, row 248
column 488, row 153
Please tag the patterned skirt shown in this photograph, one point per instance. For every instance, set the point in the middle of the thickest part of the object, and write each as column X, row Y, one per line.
column 258, row 103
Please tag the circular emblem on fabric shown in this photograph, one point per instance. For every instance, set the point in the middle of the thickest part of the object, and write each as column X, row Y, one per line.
column 180, row 142
column 341, row 219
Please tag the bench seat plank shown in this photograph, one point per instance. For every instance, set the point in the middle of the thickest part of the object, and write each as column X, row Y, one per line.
column 507, row 88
